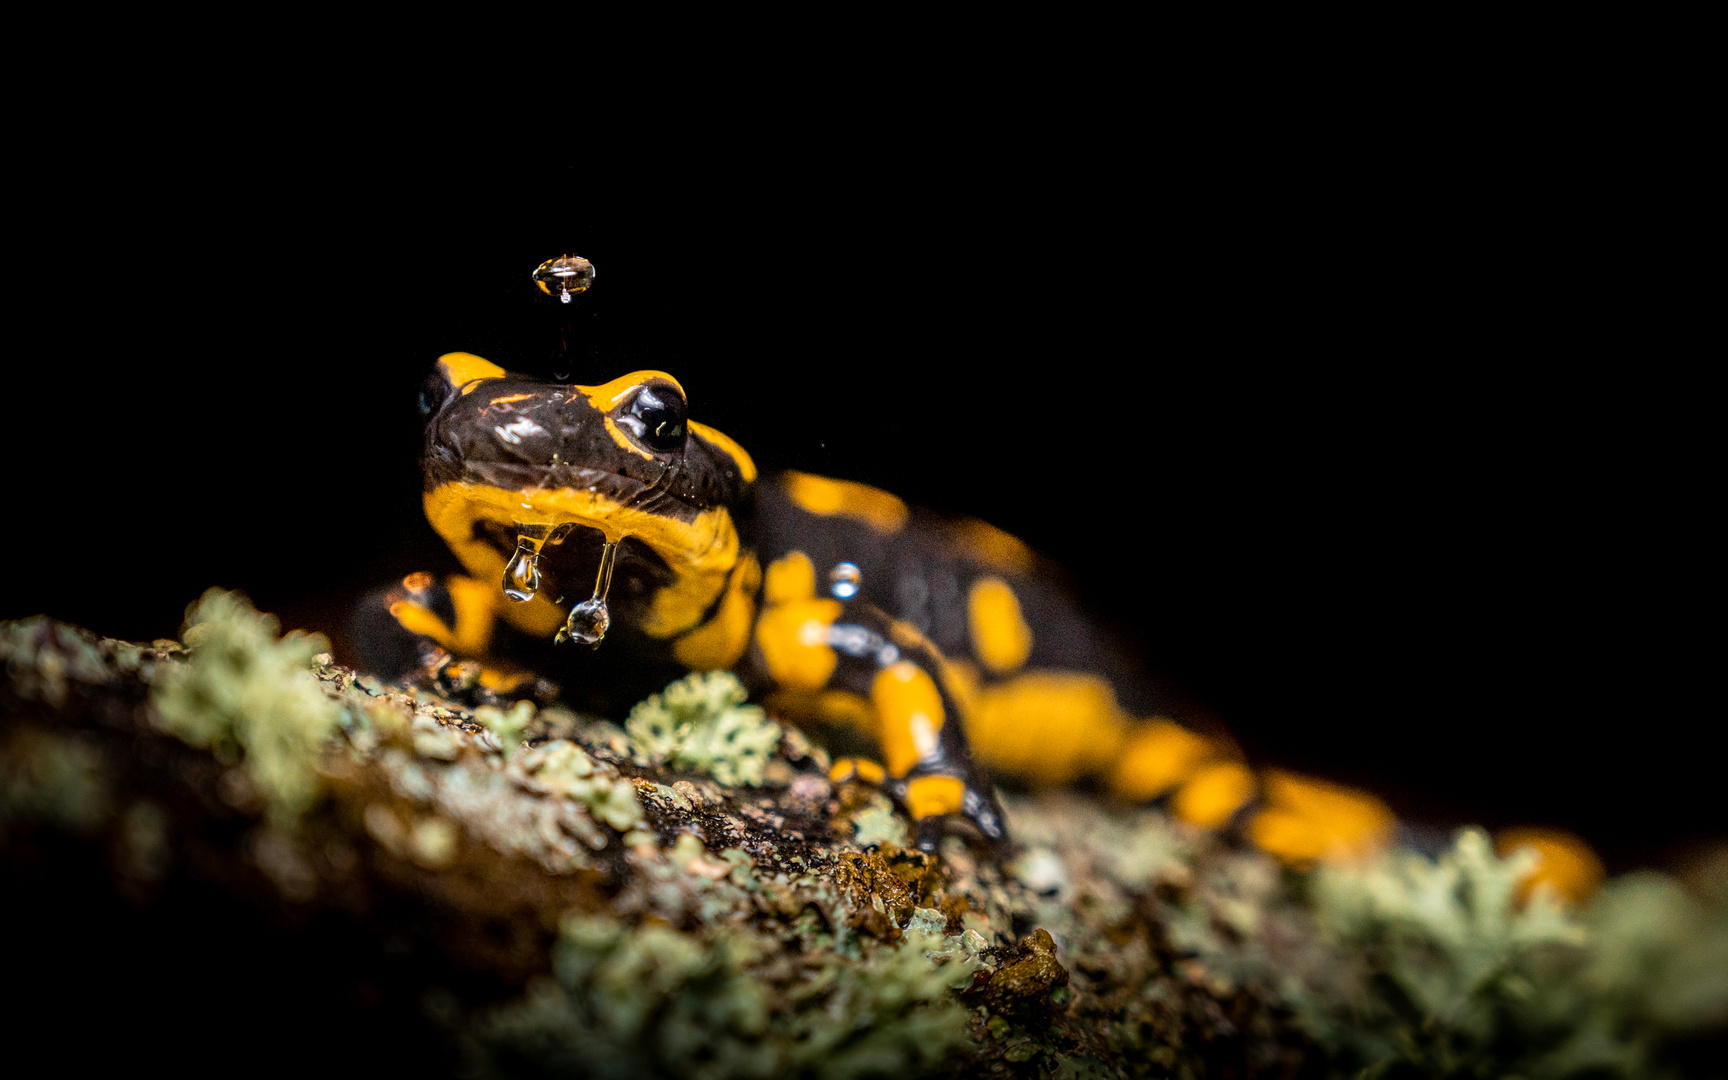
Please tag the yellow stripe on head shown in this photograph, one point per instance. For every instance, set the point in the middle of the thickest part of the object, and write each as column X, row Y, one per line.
column 464, row 368
column 605, row 397
column 701, row 553
column 746, row 466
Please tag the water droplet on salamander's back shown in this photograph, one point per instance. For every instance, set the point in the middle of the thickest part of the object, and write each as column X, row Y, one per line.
column 589, row 620
column 844, row 580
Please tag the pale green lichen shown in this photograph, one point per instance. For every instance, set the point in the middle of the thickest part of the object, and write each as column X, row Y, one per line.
column 1435, row 968
column 562, row 769
column 877, row 823
column 44, row 659
column 506, row 727
column 701, row 724
column 1448, row 937
column 654, row 1001
column 244, row 690
column 58, row 780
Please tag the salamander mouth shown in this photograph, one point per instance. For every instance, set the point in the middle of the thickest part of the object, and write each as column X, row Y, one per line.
column 569, row 559
column 558, row 489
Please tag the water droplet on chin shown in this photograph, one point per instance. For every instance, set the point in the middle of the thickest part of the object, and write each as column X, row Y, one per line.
column 522, row 572
column 588, row 622
column 590, row 619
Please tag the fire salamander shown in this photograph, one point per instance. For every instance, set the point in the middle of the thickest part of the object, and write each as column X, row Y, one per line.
column 933, row 646
column 933, row 651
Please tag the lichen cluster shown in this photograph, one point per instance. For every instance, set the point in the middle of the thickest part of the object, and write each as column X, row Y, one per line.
column 655, row 1001
column 248, row 695
column 701, row 724
column 689, row 894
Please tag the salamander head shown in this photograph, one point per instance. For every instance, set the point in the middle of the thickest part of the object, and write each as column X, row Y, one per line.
column 509, row 457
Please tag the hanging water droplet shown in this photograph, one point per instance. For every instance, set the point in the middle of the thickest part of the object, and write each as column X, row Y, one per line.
column 590, row 619
column 522, row 572
column 587, row 623
column 844, row 580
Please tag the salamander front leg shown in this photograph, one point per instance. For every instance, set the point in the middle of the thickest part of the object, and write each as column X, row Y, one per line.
column 434, row 633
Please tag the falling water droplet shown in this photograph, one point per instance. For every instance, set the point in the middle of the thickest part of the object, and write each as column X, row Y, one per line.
column 564, row 277
column 589, row 620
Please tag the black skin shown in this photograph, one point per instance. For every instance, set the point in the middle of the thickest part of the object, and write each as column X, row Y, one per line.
column 918, row 575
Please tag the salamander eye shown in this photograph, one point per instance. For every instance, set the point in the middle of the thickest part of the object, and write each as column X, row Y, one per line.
column 433, row 393
column 655, row 416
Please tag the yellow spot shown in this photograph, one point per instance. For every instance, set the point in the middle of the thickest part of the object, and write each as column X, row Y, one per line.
column 960, row 679
column 841, row 708
column 1000, row 635
column 1215, row 793
column 476, row 614
column 463, row 368
column 1306, row 820
column 820, row 495
column 417, row 620
column 929, row 796
column 502, row 680
column 909, row 713
column 794, row 642
column 508, row 398
column 719, row 642
column 1156, row 758
column 862, row 768
column 905, row 635
column 701, row 552
column 1047, row 727
column 790, row 577
column 993, row 547
column 1566, row 863
column 746, row 467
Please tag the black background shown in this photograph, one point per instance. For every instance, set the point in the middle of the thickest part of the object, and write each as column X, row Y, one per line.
column 1391, row 447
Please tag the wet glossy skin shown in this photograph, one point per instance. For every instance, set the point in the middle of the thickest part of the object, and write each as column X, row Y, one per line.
column 934, row 650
